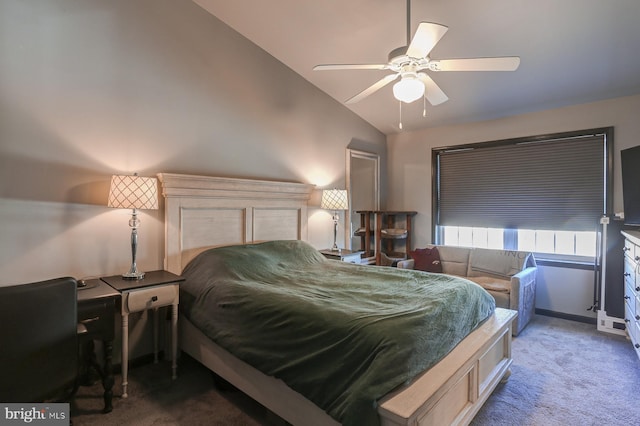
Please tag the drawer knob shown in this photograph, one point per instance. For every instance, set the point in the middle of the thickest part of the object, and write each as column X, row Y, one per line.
column 626, row 248
column 637, row 288
column 627, row 297
column 155, row 298
column 637, row 345
column 637, row 317
column 626, row 320
column 627, row 274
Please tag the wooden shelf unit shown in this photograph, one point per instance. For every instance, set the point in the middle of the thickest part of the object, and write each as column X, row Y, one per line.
column 375, row 223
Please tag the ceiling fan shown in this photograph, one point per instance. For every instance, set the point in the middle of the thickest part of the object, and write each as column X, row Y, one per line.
column 411, row 62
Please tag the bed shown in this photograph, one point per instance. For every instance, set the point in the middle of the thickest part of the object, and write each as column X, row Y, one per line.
column 203, row 213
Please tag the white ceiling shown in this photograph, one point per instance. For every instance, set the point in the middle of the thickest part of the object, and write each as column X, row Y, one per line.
column 572, row 51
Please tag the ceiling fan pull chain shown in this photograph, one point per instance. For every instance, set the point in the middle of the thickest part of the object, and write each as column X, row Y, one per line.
column 408, row 22
column 424, row 106
column 400, row 123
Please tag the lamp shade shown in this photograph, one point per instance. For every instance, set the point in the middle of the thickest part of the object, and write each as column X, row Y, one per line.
column 133, row 192
column 408, row 89
column 334, row 199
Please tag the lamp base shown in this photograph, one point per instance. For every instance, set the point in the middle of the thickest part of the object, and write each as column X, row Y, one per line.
column 133, row 276
column 335, row 232
column 133, row 273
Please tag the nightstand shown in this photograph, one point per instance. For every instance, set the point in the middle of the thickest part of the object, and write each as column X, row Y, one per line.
column 155, row 290
column 343, row 255
column 96, row 312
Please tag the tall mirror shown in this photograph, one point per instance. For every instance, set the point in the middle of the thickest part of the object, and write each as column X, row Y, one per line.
column 363, row 186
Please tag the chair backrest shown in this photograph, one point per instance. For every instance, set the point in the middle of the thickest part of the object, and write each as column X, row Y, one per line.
column 38, row 340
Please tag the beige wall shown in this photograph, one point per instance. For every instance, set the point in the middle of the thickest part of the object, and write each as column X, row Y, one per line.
column 89, row 88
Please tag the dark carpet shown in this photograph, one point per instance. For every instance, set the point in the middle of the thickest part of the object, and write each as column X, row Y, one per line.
column 564, row 373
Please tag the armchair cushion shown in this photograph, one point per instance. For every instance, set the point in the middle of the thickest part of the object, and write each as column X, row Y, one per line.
column 493, row 284
column 455, row 260
column 503, row 263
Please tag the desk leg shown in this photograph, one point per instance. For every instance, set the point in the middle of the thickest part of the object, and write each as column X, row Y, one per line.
column 107, row 378
column 89, row 356
column 125, row 354
column 174, row 340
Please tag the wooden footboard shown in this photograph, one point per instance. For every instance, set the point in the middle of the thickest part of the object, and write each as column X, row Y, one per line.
column 452, row 392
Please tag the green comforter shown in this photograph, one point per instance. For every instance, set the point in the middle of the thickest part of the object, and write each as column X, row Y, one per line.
column 342, row 335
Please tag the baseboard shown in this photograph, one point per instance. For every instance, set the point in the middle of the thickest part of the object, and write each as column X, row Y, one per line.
column 571, row 317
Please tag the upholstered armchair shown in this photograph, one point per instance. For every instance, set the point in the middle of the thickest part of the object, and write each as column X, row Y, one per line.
column 509, row 276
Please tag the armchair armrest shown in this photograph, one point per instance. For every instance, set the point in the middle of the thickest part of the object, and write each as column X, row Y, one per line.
column 406, row 264
column 524, row 278
column 523, row 294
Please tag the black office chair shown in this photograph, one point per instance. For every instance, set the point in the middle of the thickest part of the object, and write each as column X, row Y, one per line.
column 39, row 341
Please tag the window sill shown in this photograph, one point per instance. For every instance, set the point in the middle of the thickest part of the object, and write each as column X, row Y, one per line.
column 568, row 264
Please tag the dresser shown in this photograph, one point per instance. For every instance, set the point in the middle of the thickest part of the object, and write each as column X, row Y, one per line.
column 632, row 287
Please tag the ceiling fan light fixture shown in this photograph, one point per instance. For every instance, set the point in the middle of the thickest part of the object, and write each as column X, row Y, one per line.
column 409, row 89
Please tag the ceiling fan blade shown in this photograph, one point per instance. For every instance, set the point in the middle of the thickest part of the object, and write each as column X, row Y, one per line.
column 507, row 63
column 433, row 92
column 426, row 37
column 373, row 88
column 329, row 67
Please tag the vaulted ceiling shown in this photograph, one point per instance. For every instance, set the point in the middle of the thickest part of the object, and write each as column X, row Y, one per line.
column 572, row 51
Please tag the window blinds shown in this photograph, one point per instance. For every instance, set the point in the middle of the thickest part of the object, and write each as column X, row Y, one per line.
column 542, row 185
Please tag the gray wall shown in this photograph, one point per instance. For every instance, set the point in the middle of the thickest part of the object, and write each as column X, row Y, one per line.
column 560, row 290
column 90, row 88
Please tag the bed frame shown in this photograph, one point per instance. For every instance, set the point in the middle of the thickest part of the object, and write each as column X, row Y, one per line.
column 203, row 212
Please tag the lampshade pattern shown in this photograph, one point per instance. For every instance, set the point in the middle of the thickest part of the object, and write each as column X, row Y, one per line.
column 133, row 192
column 334, row 199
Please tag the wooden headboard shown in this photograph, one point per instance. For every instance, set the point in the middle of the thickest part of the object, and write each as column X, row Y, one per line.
column 203, row 212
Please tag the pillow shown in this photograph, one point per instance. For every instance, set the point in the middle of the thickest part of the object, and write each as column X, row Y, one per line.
column 427, row 259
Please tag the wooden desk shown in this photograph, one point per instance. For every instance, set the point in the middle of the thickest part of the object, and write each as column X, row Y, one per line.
column 96, row 312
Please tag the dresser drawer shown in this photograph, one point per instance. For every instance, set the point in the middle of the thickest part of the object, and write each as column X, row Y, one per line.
column 629, row 249
column 98, row 317
column 629, row 301
column 628, row 318
column 149, row 298
column 629, row 270
column 635, row 335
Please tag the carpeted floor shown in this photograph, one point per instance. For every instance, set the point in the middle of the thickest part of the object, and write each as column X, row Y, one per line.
column 564, row 373
column 567, row 373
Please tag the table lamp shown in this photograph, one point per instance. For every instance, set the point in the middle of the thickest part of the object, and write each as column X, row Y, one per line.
column 334, row 199
column 133, row 192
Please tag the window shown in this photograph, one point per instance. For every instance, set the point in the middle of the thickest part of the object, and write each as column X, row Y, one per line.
column 544, row 194
column 568, row 245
